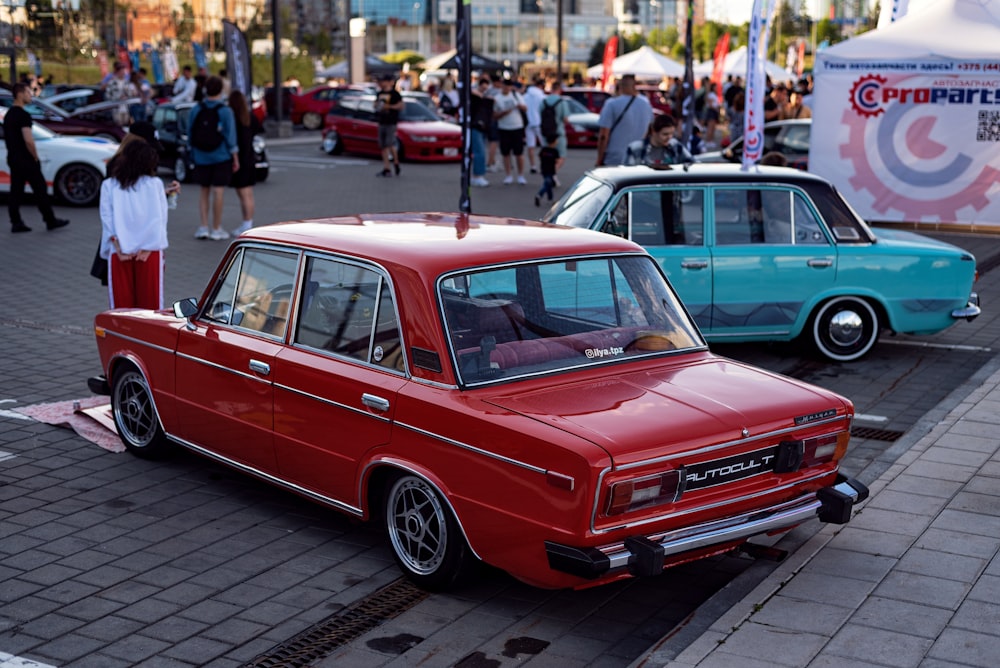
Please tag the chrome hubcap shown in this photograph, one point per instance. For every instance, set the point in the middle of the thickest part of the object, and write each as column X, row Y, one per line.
column 846, row 328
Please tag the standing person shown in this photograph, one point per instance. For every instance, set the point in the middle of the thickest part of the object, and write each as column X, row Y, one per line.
column 554, row 100
column 212, row 140
column 134, row 227
column 547, row 159
column 185, row 87
column 120, row 89
column 480, row 119
column 533, row 98
column 507, row 109
column 137, row 109
column 660, row 146
column 624, row 119
column 245, row 177
column 388, row 104
column 494, row 91
column 796, row 107
column 25, row 167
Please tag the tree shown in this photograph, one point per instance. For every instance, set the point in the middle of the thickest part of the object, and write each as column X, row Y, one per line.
column 184, row 22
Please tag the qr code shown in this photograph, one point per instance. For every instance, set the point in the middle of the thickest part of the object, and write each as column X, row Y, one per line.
column 989, row 126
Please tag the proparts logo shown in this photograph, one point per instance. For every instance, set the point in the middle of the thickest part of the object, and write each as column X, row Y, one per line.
column 866, row 95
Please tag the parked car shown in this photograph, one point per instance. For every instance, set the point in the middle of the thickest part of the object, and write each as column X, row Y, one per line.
column 311, row 107
column 592, row 98
column 772, row 254
column 73, row 166
column 352, row 127
column 789, row 138
column 171, row 122
column 531, row 396
column 93, row 120
column 658, row 98
column 581, row 124
column 70, row 97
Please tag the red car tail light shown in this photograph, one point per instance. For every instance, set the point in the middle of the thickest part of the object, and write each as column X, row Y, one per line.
column 653, row 490
column 827, row 448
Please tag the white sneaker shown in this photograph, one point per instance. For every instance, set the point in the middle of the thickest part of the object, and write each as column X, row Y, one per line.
column 521, row 181
column 555, row 181
column 494, row 168
column 242, row 228
column 219, row 235
column 509, row 179
column 479, row 182
column 201, row 233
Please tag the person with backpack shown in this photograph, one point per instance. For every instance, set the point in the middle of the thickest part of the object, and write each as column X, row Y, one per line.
column 212, row 141
column 553, row 111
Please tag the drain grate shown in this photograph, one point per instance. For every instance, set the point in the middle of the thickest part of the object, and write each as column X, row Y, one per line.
column 876, row 434
column 352, row 622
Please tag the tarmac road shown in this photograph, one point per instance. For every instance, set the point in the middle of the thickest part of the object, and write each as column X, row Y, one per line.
column 107, row 560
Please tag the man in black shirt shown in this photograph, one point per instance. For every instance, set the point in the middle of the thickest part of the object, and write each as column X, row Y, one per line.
column 22, row 158
column 388, row 103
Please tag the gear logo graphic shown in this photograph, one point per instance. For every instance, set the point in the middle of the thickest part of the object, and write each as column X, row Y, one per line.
column 866, row 95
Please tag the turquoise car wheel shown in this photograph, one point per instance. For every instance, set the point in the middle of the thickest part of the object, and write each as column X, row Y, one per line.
column 845, row 328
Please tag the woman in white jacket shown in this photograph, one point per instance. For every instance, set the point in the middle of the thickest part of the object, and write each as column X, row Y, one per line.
column 134, row 227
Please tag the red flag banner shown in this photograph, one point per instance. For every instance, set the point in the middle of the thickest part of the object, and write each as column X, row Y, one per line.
column 610, row 53
column 719, row 62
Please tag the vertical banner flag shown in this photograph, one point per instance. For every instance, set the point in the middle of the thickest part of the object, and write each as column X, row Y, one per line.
column 102, row 63
column 200, row 61
column 719, row 62
column 133, row 58
column 687, row 107
column 463, row 53
column 170, row 65
column 154, row 60
column 237, row 58
column 756, row 84
column 800, row 62
column 610, row 53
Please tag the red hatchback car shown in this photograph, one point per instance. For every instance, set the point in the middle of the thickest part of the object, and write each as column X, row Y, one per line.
column 487, row 390
column 312, row 106
column 352, row 127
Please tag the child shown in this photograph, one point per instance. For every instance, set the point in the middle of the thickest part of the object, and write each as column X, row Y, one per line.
column 547, row 160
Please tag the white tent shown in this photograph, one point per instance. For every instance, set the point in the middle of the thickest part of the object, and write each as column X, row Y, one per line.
column 735, row 64
column 645, row 63
column 910, row 116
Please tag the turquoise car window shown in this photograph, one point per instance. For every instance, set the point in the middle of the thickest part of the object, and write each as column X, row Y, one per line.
column 769, row 216
column 581, row 204
column 671, row 217
column 808, row 230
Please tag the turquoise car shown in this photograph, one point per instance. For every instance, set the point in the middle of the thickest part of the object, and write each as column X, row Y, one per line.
column 772, row 254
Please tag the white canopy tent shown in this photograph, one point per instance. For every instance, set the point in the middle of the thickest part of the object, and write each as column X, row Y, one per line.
column 910, row 116
column 645, row 63
column 735, row 65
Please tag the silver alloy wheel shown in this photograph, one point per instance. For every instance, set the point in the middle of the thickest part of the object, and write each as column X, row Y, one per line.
column 845, row 328
column 417, row 524
column 180, row 169
column 134, row 413
column 330, row 142
column 312, row 121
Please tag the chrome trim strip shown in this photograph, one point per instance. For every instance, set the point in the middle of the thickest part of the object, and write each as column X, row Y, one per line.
column 776, row 332
column 242, row 374
column 246, row 468
column 331, row 402
column 727, row 444
column 472, row 448
column 731, row 528
column 131, row 339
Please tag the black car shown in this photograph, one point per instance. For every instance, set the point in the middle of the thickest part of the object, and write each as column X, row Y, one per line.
column 789, row 138
column 171, row 122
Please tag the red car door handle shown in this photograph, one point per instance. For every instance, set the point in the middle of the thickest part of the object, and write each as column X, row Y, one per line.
column 820, row 263
column 262, row 368
column 375, row 403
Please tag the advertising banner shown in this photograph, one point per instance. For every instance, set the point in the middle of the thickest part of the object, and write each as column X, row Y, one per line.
column 910, row 144
column 238, row 67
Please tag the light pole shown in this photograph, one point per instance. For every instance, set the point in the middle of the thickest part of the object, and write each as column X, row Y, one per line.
column 417, row 23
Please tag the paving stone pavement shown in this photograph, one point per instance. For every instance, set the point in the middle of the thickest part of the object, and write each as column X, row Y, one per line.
column 913, row 580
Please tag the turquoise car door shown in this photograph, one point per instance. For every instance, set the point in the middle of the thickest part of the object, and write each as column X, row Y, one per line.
column 670, row 224
column 771, row 257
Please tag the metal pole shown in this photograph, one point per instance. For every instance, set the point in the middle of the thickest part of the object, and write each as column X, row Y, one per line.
column 559, row 38
column 278, row 88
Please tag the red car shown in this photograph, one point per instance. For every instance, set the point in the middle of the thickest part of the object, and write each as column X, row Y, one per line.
column 592, row 98
column 352, row 127
column 486, row 389
column 311, row 107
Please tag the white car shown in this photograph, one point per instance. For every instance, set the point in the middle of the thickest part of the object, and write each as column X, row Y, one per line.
column 73, row 166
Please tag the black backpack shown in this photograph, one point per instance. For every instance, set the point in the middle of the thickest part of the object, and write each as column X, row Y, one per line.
column 550, row 125
column 205, row 134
